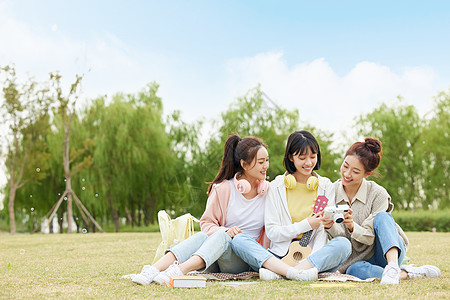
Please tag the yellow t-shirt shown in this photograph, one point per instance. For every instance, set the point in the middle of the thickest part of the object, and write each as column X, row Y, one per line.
column 300, row 202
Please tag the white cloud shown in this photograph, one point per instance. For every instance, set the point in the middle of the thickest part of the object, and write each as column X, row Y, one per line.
column 325, row 99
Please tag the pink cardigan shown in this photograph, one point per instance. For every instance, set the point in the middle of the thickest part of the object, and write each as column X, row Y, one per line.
column 215, row 213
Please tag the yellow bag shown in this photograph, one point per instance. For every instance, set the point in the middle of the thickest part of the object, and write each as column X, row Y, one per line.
column 173, row 231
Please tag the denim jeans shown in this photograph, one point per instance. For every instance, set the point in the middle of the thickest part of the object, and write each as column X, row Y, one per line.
column 386, row 237
column 250, row 250
column 329, row 258
column 215, row 250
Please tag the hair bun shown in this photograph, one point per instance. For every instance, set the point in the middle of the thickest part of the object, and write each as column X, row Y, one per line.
column 373, row 144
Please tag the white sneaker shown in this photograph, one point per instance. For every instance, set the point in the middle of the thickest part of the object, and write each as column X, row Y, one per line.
column 307, row 275
column 164, row 277
column 146, row 276
column 421, row 272
column 266, row 274
column 391, row 275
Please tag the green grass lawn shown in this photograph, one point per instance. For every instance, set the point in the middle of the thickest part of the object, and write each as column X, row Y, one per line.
column 91, row 266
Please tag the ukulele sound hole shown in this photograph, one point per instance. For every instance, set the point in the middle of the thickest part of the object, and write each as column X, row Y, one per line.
column 298, row 256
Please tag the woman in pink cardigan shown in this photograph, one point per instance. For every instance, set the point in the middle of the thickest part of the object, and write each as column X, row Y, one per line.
column 235, row 204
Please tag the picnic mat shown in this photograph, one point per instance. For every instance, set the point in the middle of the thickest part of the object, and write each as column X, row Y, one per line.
column 327, row 276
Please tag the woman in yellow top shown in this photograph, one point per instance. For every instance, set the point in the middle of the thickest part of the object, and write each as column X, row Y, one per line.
column 289, row 209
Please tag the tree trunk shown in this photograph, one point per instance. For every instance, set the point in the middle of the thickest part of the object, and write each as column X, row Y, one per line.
column 127, row 214
column 153, row 203
column 60, row 220
column 114, row 213
column 139, row 215
column 66, row 162
column 133, row 212
column 12, row 218
column 69, row 212
column 146, row 213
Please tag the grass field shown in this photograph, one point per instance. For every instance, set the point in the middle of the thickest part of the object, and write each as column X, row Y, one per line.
column 91, row 266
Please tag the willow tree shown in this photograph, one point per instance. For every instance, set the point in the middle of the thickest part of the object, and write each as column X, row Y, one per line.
column 132, row 157
column 65, row 110
column 26, row 107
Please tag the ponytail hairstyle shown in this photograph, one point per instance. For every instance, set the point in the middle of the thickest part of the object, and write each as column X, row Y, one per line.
column 235, row 150
column 368, row 153
column 298, row 143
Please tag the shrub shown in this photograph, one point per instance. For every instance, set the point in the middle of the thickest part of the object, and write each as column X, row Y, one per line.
column 424, row 220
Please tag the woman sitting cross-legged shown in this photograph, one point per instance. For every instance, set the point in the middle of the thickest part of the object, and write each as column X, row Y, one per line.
column 235, row 204
column 378, row 243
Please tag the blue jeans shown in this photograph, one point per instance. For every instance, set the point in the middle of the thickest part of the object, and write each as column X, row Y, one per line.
column 215, row 250
column 386, row 237
column 331, row 256
column 250, row 250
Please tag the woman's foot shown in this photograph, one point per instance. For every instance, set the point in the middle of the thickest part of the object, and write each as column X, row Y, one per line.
column 164, row 277
column 146, row 276
column 307, row 275
column 427, row 271
column 391, row 274
column 266, row 274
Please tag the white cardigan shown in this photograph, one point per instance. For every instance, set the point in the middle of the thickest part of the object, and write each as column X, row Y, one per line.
column 278, row 222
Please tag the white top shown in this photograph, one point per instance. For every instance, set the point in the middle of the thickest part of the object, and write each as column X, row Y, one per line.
column 279, row 227
column 247, row 214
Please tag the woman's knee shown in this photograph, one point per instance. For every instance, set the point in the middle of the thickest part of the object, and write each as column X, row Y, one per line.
column 344, row 245
column 201, row 235
column 241, row 240
column 220, row 237
column 381, row 217
column 356, row 267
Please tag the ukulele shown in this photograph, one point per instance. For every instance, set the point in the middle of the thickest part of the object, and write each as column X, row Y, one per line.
column 299, row 249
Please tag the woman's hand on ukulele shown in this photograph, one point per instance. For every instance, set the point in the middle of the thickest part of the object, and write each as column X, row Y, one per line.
column 315, row 221
column 348, row 220
column 233, row 231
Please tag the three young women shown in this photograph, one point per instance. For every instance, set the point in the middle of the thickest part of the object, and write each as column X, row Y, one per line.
column 289, row 214
column 378, row 243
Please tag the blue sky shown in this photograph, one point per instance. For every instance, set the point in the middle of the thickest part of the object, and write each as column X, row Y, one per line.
column 334, row 54
column 332, row 60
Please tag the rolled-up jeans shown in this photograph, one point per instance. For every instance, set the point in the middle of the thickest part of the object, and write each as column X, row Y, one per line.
column 386, row 237
column 215, row 250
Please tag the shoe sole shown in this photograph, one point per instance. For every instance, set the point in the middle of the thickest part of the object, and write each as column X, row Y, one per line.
column 139, row 281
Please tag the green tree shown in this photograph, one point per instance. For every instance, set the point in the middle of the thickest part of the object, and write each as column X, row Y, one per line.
column 399, row 128
column 26, row 113
column 132, row 157
column 65, row 110
column 435, row 147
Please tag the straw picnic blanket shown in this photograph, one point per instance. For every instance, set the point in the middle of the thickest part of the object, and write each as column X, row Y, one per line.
column 327, row 276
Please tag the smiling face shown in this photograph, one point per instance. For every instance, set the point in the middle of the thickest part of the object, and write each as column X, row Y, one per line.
column 352, row 172
column 304, row 163
column 258, row 167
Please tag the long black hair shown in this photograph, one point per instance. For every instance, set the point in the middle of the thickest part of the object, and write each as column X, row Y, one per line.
column 235, row 150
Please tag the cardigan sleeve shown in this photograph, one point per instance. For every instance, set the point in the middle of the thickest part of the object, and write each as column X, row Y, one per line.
column 276, row 229
column 213, row 217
